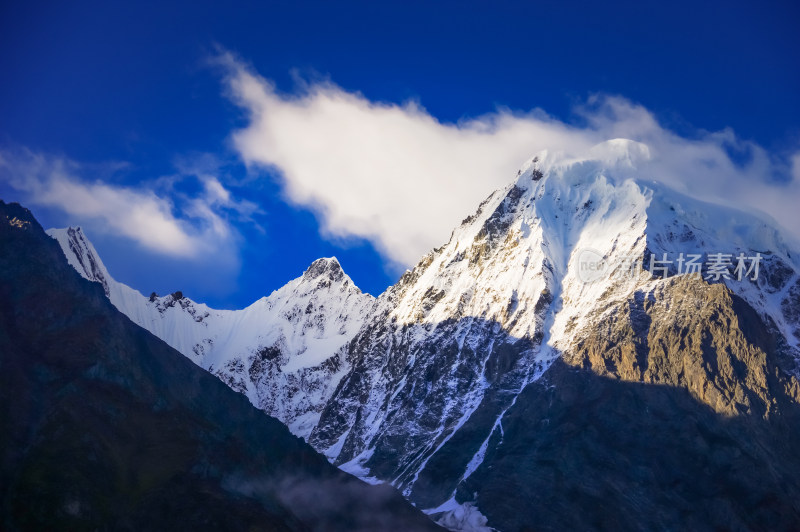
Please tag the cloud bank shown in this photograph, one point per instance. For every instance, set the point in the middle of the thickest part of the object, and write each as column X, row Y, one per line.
column 396, row 176
column 138, row 213
column 391, row 174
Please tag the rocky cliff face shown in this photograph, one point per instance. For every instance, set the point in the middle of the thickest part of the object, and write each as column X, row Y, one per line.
column 105, row 427
column 679, row 410
column 701, row 337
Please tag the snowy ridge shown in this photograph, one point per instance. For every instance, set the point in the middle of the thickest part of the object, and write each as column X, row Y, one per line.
column 280, row 351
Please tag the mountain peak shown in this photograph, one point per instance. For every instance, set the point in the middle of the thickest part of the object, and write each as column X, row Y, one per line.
column 326, row 266
column 620, row 158
column 262, row 351
column 82, row 256
column 624, row 152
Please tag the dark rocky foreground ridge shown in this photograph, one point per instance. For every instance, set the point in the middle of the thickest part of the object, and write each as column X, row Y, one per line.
column 105, row 427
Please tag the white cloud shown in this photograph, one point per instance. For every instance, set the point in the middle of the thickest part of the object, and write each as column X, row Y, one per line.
column 135, row 213
column 398, row 177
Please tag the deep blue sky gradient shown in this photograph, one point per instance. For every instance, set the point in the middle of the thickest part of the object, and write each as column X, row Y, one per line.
column 103, row 82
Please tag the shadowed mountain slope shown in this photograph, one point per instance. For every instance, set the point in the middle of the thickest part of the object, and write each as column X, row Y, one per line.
column 105, row 427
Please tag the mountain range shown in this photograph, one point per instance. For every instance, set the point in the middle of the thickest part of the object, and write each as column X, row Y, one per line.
column 555, row 364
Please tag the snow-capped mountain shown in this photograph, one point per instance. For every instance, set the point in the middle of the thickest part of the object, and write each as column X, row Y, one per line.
column 447, row 351
column 460, row 383
column 281, row 351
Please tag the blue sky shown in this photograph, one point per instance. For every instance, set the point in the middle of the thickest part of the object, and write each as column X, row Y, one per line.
column 175, row 108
